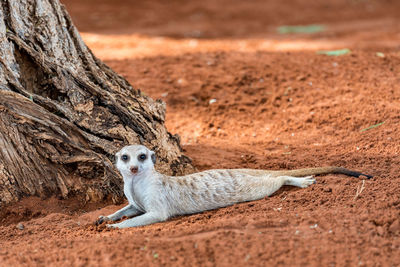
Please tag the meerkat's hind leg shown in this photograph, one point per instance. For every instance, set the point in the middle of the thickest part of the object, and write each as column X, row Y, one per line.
column 302, row 182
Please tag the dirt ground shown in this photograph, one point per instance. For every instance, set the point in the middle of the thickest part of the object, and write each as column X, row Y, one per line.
column 241, row 95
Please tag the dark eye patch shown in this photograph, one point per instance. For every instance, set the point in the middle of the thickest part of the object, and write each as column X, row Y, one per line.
column 124, row 157
column 142, row 157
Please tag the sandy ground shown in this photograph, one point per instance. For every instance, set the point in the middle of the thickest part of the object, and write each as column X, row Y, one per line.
column 241, row 95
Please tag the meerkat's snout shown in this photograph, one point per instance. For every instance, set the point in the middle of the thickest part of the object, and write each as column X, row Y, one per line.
column 134, row 169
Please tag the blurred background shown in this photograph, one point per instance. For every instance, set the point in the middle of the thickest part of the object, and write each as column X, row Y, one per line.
column 262, row 77
column 255, row 24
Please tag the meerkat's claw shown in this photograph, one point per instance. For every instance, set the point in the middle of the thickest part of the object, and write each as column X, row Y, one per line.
column 102, row 219
column 307, row 181
column 112, row 226
column 117, row 225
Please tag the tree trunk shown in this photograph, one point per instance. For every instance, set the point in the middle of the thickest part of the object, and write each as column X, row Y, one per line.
column 64, row 113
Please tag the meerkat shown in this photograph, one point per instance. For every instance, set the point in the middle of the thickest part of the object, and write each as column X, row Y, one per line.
column 155, row 197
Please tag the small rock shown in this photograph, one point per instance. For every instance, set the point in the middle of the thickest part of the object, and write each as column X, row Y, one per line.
column 182, row 82
column 380, row 230
column 301, row 78
column 20, row 226
column 395, row 226
column 328, row 189
column 212, row 101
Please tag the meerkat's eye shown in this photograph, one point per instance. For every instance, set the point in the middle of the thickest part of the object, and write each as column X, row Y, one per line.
column 142, row 157
column 124, row 157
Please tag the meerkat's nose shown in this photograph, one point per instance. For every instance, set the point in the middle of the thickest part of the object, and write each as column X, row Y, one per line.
column 134, row 169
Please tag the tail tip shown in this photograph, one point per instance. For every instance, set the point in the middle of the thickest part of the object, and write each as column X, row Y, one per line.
column 365, row 175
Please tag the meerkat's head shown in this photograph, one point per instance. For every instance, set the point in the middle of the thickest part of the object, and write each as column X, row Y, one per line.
column 135, row 159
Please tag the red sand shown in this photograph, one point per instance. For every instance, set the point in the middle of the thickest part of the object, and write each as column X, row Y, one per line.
column 279, row 105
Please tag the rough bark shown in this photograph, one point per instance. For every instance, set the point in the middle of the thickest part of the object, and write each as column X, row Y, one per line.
column 64, row 113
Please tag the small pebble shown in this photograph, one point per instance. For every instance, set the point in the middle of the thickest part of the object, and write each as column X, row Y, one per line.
column 380, row 230
column 395, row 227
column 20, row 226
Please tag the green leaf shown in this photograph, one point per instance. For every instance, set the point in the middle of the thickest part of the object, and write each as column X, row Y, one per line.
column 314, row 28
column 380, row 54
column 335, row 52
column 155, row 255
column 372, row 126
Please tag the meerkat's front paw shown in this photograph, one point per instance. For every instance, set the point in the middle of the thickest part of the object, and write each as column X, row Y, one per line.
column 102, row 219
column 120, row 225
column 114, row 226
column 307, row 181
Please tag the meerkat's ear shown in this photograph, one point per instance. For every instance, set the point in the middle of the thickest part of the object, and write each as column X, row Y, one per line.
column 153, row 157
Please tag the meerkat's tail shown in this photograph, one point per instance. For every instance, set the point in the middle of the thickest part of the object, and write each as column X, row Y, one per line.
column 320, row 170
